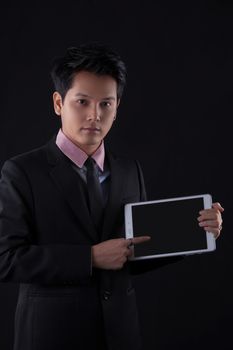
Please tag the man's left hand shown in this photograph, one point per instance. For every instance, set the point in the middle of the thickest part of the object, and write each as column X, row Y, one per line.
column 211, row 219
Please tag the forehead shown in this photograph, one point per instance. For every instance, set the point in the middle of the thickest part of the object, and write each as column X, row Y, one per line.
column 94, row 85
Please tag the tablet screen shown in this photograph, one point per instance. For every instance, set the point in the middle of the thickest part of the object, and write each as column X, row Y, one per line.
column 173, row 227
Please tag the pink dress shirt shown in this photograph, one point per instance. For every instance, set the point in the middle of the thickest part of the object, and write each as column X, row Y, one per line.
column 76, row 154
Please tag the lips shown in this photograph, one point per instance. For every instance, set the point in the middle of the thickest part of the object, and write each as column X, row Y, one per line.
column 91, row 129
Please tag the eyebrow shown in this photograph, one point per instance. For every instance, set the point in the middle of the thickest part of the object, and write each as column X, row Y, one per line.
column 105, row 98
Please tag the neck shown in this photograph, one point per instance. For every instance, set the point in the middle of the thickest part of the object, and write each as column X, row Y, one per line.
column 88, row 149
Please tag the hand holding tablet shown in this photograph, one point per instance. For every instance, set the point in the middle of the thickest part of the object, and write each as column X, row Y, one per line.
column 172, row 225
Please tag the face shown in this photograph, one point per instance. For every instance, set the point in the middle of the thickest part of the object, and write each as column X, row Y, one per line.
column 88, row 109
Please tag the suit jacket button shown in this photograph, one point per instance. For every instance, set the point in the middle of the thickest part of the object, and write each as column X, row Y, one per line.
column 106, row 295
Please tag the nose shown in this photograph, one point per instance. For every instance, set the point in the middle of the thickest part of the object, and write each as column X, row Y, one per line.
column 94, row 113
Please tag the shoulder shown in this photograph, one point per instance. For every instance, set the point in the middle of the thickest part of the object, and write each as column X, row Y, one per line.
column 121, row 159
column 129, row 165
column 30, row 161
column 33, row 155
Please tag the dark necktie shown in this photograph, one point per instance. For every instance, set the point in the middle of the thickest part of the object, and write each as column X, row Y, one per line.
column 95, row 195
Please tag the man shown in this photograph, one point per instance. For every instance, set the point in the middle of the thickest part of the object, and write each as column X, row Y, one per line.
column 62, row 223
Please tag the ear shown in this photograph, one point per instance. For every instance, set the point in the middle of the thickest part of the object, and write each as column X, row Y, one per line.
column 57, row 102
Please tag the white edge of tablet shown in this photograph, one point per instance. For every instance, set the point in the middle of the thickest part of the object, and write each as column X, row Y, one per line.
column 211, row 244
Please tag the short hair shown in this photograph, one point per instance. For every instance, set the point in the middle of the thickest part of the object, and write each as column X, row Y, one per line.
column 93, row 57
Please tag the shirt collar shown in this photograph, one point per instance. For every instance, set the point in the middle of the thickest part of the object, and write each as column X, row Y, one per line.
column 76, row 154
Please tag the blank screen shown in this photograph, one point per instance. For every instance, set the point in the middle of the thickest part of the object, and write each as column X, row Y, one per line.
column 173, row 227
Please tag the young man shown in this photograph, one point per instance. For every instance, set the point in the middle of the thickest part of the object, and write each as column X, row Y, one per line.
column 62, row 223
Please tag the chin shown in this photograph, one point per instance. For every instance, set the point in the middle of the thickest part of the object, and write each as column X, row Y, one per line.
column 93, row 141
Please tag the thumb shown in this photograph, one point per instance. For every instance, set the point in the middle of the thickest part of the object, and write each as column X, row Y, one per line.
column 218, row 206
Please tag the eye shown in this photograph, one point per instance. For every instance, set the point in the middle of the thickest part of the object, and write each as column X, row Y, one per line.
column 82, row 101
column 106, row 104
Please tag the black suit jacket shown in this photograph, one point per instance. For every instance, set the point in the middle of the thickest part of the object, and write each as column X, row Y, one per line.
column 46, row 235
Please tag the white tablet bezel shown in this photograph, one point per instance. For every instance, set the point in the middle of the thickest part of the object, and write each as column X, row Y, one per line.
column 210, row 240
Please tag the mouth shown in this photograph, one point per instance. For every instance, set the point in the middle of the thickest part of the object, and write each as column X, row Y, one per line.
column 91, row 129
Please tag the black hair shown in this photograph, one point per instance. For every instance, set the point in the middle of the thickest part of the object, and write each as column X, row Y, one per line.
column 95, row 58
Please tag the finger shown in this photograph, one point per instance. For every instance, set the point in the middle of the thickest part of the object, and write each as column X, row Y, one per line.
column 140, row 239
column 129, row 242
column 136, row 240
column 216, row 232
column 209, row 214
column 218, row 206
column 209, row 223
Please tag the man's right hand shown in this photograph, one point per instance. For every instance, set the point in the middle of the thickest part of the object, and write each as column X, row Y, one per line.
column 113, row 253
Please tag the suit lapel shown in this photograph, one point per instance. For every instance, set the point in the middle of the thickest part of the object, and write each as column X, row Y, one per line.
column 65, row 177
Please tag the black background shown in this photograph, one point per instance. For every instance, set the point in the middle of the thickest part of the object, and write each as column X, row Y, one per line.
column 175, row 118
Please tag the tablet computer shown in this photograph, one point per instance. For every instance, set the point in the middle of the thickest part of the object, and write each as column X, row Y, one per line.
column 172, row 225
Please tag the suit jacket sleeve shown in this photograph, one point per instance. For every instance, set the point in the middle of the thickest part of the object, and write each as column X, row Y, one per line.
column 142, row 266
column 21, row 260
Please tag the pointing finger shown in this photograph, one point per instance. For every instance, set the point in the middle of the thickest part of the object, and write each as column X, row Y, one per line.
column 140, row 239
